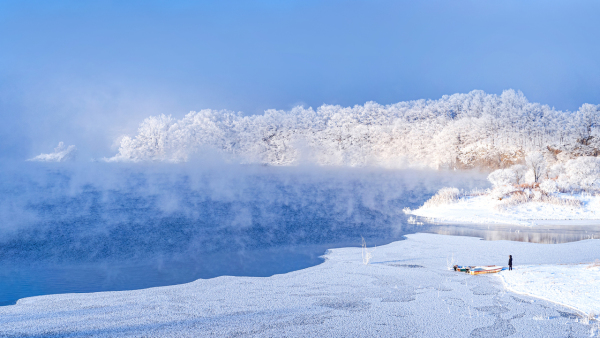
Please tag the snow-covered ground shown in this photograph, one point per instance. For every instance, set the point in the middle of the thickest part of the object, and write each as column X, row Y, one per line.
column 573, row 285
column 407, row 290
column 484, row 210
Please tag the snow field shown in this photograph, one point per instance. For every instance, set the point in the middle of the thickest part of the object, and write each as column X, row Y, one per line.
column 484, row 210
column 406, row 290
column 573, row 285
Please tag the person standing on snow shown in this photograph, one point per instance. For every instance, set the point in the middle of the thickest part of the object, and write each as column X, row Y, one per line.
column 509, row 262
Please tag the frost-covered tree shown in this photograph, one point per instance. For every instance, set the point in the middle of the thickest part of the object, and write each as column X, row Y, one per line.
column 582, row 173
column 457, row 131
column 536, row 164
column 520, row 171
column 588, row 121
column 555, row 170
column 549, row 186
column 502, row 177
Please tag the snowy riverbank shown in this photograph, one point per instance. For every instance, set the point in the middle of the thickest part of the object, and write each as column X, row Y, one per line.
column 407, row 289
column 486, row 209
column 573, row 285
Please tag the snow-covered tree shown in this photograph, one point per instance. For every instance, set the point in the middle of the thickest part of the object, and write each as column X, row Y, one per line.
column 537, row 165
column 520, row 171
column 502, row 177
column 588, row 121
column 582, row 173
column 549, row 186
column 457, row 131
column 555, row 170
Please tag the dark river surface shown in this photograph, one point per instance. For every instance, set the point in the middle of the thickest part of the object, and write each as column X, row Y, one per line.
column 66, row 231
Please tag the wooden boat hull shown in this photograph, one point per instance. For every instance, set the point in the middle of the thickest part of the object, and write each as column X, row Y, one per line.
column 478, row 270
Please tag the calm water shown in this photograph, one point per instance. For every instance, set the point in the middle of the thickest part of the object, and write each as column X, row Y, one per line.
column 88, row 231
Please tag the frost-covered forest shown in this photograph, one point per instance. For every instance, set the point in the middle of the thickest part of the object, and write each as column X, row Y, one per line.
column 457, row 131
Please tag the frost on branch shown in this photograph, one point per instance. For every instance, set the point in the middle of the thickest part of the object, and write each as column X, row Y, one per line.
column 60, row 154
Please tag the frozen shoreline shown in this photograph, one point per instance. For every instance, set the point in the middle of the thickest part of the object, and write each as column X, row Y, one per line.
column 407, row 289
column 483, row 210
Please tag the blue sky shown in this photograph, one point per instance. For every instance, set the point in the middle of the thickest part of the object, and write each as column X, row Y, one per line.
column 86, row 72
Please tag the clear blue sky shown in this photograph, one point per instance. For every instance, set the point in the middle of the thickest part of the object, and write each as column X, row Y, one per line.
column 85, row 72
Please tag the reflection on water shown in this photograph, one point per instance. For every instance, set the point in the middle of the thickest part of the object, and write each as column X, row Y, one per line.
column 554, row 234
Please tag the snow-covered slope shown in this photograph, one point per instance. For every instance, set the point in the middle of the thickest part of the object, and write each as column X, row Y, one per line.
column 486, row 209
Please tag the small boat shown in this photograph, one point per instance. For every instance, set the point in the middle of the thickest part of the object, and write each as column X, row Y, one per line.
column 476, row 270
column 461, row 268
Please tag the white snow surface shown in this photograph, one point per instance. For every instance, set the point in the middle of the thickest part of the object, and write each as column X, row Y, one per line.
column 482, row 210
column 407, row 290
column 573, row 285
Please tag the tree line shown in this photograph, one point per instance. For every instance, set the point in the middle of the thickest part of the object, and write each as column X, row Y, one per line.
column 456, row 131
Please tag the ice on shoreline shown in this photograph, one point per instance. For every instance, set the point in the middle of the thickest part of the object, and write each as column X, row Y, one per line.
column 408, row 289
column 483, row 210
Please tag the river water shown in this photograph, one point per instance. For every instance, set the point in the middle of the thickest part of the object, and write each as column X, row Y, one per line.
column 67, row 230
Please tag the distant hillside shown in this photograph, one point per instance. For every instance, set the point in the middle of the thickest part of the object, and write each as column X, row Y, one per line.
column 457, row 131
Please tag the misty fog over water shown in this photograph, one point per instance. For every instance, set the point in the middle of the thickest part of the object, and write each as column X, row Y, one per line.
column 72, row 227
column 98, row 226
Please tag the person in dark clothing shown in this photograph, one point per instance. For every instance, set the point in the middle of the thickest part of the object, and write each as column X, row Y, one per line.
column 509, row 262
